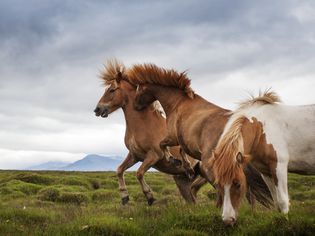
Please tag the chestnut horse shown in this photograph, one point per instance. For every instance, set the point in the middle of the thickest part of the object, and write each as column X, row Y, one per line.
column 192, row 122
column 144, row 131
column 274, row 138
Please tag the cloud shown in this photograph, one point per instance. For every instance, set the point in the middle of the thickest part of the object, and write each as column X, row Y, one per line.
column 52, row 51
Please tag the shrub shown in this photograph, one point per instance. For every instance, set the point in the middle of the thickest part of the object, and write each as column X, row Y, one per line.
column 105, row 195
column 111, row 226
column 76, row 198
column 34, row 178
column 49, row 194
column 17, row 186
column 75, row 181
column 95, row 184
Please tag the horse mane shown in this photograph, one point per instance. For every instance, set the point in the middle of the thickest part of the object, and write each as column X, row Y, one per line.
column 113, row 68
column 226, row 167
column 231, row 142
column 152, row 74
column 266, row 97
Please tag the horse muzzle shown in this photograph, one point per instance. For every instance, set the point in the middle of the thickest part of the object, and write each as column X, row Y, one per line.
column 102, row 111
column 230, row 221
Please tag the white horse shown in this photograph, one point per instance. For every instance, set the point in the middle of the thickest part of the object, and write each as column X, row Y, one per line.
column 275, row 138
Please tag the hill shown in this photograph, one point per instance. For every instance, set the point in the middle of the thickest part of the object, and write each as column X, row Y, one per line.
column 90, row 162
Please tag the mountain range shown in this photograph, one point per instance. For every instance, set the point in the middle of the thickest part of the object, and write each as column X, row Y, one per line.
column 91, row 162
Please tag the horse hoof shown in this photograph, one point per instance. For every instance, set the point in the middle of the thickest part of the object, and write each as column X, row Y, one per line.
column 150, row 201
column 125, row 200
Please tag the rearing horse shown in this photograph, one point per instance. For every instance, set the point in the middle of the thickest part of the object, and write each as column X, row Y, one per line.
column 144, row 131
column 192, row 122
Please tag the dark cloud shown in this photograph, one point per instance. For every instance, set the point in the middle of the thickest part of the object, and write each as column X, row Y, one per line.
column 52, row 51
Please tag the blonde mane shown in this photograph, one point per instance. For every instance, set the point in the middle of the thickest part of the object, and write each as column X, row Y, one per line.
column 112, row 70
column 266, row 97
column 225, row 165
column 231, row 142
column 152, row 74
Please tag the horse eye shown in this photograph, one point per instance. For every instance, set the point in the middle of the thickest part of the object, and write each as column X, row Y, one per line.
column 112, row 90
column 237, row 184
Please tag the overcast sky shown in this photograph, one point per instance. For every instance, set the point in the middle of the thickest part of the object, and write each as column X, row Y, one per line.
column 51, row 53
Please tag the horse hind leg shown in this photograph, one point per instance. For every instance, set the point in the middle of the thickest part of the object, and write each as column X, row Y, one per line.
column 164, row 146
column 148, row 162
column 127, row 163
column 187, row 166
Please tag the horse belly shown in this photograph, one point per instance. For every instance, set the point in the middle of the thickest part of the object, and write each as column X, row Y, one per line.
column 302, row 158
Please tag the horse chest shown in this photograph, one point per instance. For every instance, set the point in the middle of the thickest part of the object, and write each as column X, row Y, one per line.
column 133, row 145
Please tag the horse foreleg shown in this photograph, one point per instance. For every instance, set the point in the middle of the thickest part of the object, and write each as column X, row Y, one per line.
column 183, row 184
column 206, row 167
column 282, row 188
column 165, row 144
column 149, row 161
column 197, row 184
column 186, row 164
column 127, row 163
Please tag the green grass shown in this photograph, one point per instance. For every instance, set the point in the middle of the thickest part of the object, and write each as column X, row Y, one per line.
column 76, row 203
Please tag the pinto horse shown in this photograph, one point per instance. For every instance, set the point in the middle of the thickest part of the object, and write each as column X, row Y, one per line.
column 274, row 138
column 144, row 131
column 192, row 122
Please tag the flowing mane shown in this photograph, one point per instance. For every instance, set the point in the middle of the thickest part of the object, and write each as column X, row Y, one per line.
column 112, row 69
column 224, row 164
column 152, row 74
column 266, row 97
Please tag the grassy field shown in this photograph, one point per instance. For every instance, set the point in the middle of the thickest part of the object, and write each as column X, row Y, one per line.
column 76, row 203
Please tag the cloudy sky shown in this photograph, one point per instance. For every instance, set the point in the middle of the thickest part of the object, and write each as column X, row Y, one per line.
column 52, row 51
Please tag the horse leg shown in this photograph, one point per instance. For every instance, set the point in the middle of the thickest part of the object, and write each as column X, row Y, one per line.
column 206, row 167
column 282, row 188
column 197, row 184
column 165, row 144
column 184, row 186
column 127, row 163
column 186, row 164
column 150, row 160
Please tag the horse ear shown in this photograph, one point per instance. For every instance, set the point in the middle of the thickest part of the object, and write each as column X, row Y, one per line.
column 242, row 159
column 239, row 158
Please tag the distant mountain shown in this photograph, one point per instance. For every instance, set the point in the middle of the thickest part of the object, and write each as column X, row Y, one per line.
column 51, row 165
column 95, row 163
column 91, row 162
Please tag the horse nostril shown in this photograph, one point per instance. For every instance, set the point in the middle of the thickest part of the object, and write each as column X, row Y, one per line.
column 230, row 221
column 97, row 109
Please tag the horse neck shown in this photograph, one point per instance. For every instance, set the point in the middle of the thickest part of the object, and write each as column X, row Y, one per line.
column 255, row 144
column 169, row 97
column 134, row 118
